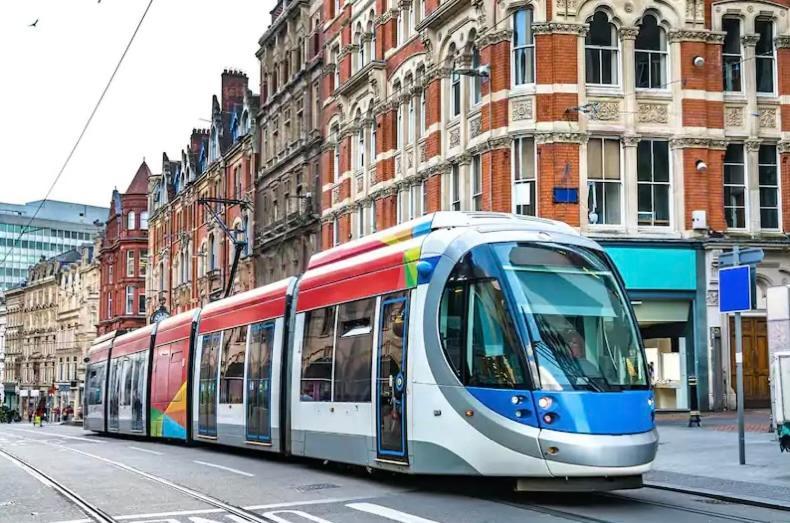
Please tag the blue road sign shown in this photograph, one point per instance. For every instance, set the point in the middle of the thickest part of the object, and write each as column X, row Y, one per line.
column 750, row 256
column 735, row 289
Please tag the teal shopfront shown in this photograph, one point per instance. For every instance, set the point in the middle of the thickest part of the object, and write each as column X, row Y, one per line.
column 665, row 283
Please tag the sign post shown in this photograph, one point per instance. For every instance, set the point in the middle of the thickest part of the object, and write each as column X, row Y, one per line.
column 736, row 291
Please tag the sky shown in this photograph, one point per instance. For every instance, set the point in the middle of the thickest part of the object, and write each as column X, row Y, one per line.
column 53, row 74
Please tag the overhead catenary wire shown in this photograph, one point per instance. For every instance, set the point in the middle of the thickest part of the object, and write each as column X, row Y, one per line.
column 80, row 136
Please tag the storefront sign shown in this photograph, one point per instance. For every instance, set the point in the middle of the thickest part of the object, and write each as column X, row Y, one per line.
column 655, row 268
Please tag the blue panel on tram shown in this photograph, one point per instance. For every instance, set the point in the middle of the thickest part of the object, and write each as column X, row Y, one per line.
column 583, row 412
column 514, row 404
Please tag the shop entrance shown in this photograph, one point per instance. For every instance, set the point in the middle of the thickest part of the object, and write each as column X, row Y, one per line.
column 754, row 333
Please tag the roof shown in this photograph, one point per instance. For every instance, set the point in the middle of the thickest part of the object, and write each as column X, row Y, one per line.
column 139, row 183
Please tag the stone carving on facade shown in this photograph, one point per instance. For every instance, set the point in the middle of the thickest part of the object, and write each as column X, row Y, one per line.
column 689, row 35
column 360, row 182
column 522, row 110
column 749, row 40
column 373, row 177
column 782, row 41
column 409, row 160
column 629, row 33
column 605, row 111
column 397, row 165
column 474, row 127
column 494, row 37
column 455, row 137
column 767, row 117
column 695, row 10
column 335, row 194
column 733, row 116
column 560, row 28
column 423, row 152
column 567, row 7
column 653, row 113
column 753, row 145
column 712, row 297
column 631, row 140
column 693, row 142
column 783, row 147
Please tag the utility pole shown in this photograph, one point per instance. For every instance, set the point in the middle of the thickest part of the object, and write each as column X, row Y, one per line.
column 232, row 235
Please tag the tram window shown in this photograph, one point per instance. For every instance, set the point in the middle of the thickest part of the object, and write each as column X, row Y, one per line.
column 317, row 349
column 476, row 328
column 95, row 384
column 353, row 351
column 231, row 385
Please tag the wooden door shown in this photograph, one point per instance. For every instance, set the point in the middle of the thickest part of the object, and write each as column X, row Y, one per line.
column 755, row 361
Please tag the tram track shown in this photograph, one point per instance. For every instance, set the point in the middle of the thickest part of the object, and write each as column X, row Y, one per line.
column 89, row 509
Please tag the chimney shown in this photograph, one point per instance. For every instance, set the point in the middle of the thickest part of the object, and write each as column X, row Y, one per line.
column 196, row 139
column 234, row 85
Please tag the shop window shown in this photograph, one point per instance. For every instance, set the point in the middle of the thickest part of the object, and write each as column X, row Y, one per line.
column 604, row 181
column 764, row 59
column 601, row 51
column 769, row 187
column 653, row 183
column 731, row 54
column 523, row 48
column 455, row 188
column 231, row 383
column 524, row 179
column 651, row 54
column 735, row 187
column 477, row 183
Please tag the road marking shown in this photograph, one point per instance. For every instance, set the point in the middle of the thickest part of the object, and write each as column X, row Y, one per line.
column 389, row 513
column 304, row 515
column 77, row 438
column 235, row 471
column 138, row 449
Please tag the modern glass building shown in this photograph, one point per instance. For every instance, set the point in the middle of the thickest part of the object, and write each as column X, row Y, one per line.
column 58, row 227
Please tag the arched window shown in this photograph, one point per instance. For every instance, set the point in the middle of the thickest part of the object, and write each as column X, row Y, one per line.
column 523, row 48
column 731, row 54
column 651, row 54
column 361, row 47
column 764, row 61
column 372, row 41
column 601, row 51
column 131, row 221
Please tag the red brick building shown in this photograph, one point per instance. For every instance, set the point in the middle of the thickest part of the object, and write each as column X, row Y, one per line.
column 123, row 257
column 191, row 256
column 661, row 129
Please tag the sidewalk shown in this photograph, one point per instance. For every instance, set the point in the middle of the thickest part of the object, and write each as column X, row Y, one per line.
column 705, row 460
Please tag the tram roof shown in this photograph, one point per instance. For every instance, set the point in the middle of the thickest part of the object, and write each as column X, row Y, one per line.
column 134, row 341
column 253, row 306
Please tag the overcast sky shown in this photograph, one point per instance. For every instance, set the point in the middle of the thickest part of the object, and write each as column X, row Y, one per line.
column 53, row 74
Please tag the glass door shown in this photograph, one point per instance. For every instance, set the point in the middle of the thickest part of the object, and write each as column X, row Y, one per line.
column 207, row 406
column 259, row 375
column 114, row 394
column 391, row 377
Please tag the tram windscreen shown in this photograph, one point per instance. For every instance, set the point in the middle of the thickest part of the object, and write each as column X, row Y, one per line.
column 582, row 333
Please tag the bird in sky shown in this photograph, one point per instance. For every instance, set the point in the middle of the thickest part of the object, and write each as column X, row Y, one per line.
column 34, row 24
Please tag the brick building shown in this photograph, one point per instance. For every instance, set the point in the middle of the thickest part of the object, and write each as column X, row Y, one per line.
column 659, row 129
column 123, row 257
column 191, row 255
column 288, row 182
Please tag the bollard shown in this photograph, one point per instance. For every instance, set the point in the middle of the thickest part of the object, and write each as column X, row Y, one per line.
column 693, row 402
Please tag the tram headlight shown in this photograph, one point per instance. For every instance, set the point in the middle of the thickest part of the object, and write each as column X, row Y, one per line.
column 515, row 400
column 548, row 418
column 545, row 402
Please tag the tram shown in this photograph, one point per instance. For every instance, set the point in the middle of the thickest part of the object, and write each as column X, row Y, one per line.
column 458, row 344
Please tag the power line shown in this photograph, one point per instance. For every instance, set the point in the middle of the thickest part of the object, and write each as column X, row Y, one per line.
column 81, row 135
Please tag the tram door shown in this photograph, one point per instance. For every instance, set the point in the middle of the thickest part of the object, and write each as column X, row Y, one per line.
column 259, row 379
column 391, row 377
column 114, row 394
column 207, row 407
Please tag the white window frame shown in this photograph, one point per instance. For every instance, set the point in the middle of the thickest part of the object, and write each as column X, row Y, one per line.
column 129, row 300
column 372, row 211
column 360, row 148
column 663, row 55
column 399, row 206
column 131, row 221
column 335, row 232
column 603, row 180
column 411, row 122
column 455, row 94
column 423, row 114
column 476, row 183
column 130, row 260
column 771, row 58
column 652, row 183
column 144, row 220
column 528, row 48
column 517, row 165
column 336, row 158
column 776, row 187
column 361, row 221
column 455, row 187
column 423, row 196
column 615, row 48
column 739, row 57
column 399, row 126
column 744, row 185
column 372, row 155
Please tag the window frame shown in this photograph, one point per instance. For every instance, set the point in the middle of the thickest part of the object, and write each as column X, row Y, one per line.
column 131, row 221
column 615, row 49
column 129, row 301
column 663, row 55
column 652, row 183
column 516, row 158
column 603, row 180
column 528, row 48
column 130, row 263
column 744, row 185
column 455, row 94
column 739, row 56
column 771, row 58
column 476, row 183
column 455, row 187
column 776, row 187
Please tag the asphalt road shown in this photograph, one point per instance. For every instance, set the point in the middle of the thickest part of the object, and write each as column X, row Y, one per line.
column 146, row 482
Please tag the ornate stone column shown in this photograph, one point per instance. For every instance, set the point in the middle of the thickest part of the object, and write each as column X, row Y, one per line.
column 628, row 38
column 630, row 185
